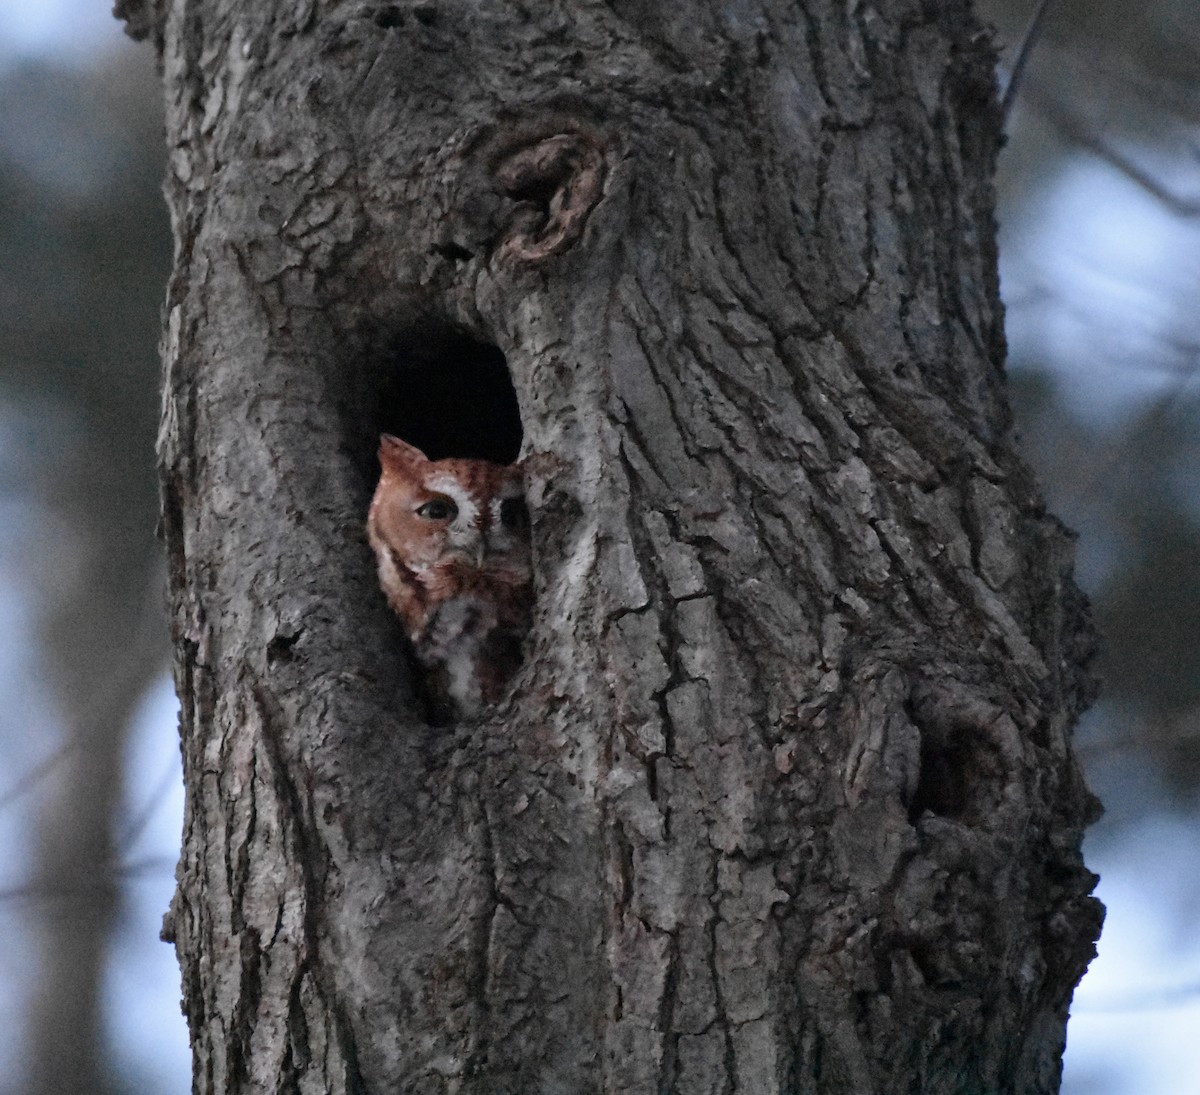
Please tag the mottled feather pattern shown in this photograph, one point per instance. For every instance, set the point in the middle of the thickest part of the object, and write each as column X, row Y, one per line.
column 451, row 538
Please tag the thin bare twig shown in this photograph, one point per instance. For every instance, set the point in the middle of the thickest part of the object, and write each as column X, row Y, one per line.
column 1179, row 730
column 1083, row 136
column 105, row 878
column 1028, row 41
column 28, row 780
column 165, row 785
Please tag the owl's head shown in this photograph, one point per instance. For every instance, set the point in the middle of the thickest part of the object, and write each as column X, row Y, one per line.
column 465, row 515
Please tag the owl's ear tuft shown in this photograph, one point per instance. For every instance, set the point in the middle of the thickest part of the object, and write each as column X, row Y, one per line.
column 394, row 452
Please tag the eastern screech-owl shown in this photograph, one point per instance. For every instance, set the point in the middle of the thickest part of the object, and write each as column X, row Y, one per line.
column 452, row 541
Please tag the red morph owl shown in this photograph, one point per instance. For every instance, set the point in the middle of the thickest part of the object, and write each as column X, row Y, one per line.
column 452, row 541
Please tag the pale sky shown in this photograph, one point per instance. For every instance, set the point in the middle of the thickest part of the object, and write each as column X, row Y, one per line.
column 70, row 30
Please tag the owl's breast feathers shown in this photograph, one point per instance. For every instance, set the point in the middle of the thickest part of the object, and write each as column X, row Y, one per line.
column 419, row 595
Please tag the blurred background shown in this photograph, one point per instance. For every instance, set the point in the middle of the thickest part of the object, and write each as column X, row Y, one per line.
column 1100, row 246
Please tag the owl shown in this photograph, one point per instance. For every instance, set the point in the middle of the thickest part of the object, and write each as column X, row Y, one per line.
column 451, row 538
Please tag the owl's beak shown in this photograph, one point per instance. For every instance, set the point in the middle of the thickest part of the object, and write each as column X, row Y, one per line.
column 470, row 553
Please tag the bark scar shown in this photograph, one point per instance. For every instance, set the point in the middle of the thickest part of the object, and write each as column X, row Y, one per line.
column 556, row 182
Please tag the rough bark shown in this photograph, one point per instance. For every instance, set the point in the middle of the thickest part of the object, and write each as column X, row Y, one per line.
column 784, row 799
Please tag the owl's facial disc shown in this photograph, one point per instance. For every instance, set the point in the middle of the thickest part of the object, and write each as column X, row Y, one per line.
column 452, row 517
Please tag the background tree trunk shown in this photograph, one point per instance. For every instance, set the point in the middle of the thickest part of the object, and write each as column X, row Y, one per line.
column 78, row 883
column 784, row 799
column 80, row 285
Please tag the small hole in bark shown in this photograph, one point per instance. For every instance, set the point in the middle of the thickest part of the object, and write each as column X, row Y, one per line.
column 453, row 251
column 281, row 646
column 389, row 17
column 940, row 787
column 962, row 774
column 426, row 14
column 538, row 192
column 451, row 397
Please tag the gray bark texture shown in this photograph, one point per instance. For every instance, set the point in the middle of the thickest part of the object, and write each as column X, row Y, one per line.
column 784, row 799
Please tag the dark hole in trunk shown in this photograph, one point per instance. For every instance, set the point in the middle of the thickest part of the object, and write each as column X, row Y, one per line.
column 451, row 396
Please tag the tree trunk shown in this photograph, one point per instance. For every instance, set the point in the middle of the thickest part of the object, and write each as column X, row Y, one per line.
column 783, row 800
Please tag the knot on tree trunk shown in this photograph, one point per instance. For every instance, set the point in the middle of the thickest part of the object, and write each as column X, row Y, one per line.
column 556, row 182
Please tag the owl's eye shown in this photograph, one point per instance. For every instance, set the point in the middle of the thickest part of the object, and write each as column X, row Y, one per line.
column 514, row 514
column 438, row 509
